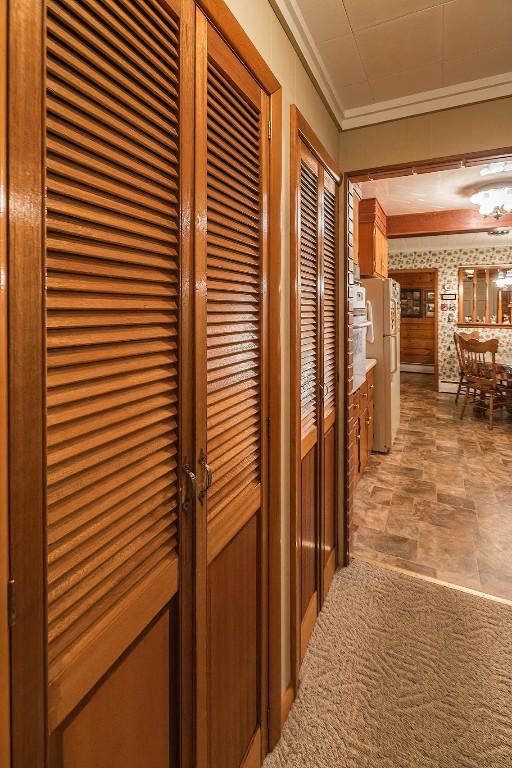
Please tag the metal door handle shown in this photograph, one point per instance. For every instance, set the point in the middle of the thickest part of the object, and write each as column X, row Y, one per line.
column 191, row 487
column 208, row 476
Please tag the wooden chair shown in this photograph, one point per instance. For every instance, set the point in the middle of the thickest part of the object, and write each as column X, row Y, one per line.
column 456, row 338
column 483, row 375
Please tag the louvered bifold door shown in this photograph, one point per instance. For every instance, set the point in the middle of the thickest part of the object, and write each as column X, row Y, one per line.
column 231, row 268
column 113, row 272
column 310, row 422
column 329, row 327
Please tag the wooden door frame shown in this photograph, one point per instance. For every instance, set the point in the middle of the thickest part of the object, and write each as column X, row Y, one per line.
column 300, row 131
column 4, row 504
column 435, row 272
column 443, row 162
column 220, row 17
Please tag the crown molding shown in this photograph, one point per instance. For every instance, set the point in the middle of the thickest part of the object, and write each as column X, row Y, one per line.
column 297, row 30
column 458, row 95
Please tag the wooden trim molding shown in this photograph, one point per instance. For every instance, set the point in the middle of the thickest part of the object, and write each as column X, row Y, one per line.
column 303, row 130
column 445, row 163
column 26, row 383
column 5, row 750
column 455, row 221
column 286, row 703
column 218, row 14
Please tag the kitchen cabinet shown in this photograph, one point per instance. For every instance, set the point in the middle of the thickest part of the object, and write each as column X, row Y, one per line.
column 361, row 426
column 372, row 239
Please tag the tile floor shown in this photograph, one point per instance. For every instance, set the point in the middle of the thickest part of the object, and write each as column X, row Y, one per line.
column 440, row 503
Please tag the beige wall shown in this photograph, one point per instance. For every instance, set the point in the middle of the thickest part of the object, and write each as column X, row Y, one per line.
column 263, row 27
column 471, row 128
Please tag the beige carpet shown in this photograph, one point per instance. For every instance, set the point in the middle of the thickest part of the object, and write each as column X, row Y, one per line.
column 402, row 673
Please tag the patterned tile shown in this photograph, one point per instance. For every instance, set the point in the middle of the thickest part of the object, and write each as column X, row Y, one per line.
column 440, row 504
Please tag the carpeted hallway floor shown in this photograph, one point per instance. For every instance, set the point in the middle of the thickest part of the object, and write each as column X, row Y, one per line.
column 402, row 673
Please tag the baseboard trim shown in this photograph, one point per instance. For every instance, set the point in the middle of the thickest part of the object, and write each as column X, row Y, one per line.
column 448, row 386
column 417, row 368
column 287, row 700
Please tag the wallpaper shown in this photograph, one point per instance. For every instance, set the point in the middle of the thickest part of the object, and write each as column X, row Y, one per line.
column 448, row 263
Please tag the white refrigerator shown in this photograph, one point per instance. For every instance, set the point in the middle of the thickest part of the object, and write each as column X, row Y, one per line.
column 383, row 345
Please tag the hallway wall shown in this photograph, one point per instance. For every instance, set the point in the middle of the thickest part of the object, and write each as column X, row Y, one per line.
column 265, row 30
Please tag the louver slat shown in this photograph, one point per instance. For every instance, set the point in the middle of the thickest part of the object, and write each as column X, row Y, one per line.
column 329, row 304
column 233, row 293
column 112, row 238
column 308, row 298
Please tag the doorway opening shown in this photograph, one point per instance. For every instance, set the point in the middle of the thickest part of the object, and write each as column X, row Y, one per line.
column 427, row 441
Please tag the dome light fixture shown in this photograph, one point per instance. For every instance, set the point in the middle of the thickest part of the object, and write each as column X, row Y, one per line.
column 493, row 202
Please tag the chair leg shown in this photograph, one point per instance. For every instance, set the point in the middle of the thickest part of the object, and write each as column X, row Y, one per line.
column 491, row 411
column 464, row 404
column 459, row 389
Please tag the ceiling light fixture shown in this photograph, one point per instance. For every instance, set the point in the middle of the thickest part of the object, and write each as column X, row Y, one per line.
column 499, row 167
column 494, row 202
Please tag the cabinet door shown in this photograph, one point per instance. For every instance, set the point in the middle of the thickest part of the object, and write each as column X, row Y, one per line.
column 381, row 253
column 111, row 272
column 231, row 381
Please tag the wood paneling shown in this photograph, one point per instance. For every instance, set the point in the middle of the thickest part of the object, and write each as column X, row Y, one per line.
column 233, row 649
column 129, row 717
column 443, row 223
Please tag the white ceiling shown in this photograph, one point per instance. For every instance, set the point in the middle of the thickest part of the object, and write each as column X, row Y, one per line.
column 449, row 242
column 438, row 191
column 380, row 56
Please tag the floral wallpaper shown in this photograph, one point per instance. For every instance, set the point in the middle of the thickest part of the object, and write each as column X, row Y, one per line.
column 448, row 263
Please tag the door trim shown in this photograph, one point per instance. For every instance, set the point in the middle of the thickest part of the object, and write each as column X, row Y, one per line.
column 4, row 504
column 26, row 382
column 300, row 131
column 222, row 19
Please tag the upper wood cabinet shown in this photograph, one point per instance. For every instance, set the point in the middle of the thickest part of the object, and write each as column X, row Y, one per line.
column 372, row 240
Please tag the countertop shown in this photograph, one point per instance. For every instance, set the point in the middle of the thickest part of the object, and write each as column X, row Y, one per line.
column 370, row 363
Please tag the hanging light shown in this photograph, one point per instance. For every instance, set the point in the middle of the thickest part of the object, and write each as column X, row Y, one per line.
column 494, row 202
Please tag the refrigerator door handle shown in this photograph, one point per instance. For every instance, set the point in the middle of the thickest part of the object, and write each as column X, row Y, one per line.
column 395, row 353
column 369, row 315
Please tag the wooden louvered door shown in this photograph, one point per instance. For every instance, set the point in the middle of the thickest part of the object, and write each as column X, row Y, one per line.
column 314, row 372
column 328, row 390
column 310, row 367
column 113, row 332
column 231, row 380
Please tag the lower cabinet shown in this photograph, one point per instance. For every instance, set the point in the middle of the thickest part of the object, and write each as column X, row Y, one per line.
column 362, row 425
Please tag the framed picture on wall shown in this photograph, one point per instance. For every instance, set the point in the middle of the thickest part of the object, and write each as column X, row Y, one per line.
column 411, row 302
column 430, row 308
column 430, row 295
